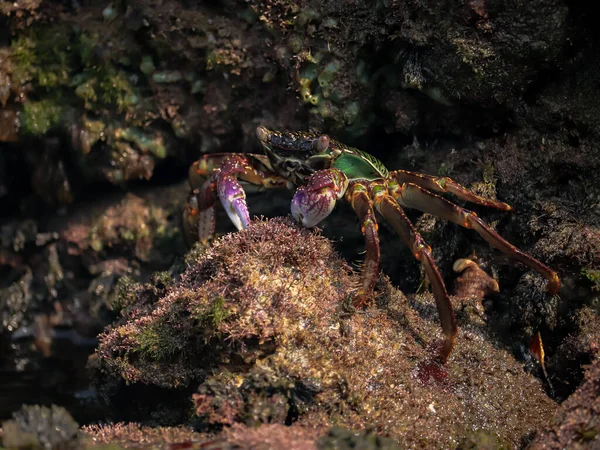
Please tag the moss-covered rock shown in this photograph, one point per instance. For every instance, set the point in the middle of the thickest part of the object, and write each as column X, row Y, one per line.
column 93, row 92
column 262, row 321
column 38, row 427
column 575, row 425
column 338, row 438
column 134, row 225
column 575, row 352
column 212, row 315
column 133, row 435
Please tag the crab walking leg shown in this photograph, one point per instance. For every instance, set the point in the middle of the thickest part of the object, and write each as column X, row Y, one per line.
column 413, row 196
column 223, row 172
column 189, row 220
column 315, row 201
column 258, row 169
column 199, row 214
column 446, row 185
column 395, row 216
column 358, row 197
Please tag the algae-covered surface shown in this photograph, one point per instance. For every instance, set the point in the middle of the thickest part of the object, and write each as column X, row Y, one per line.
column 252, row 341
column 575, row 424
column 293, row 351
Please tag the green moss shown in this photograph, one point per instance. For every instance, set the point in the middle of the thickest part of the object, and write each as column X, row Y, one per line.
column 312, row 93
column 23, row 57
column 488, row 172
column 325, row 85
column 105, row 86
column 587, row 435
column 306, row 16
column 61, row 65
column 86, row 48
column 124, row 294
column 130, row 235
column 218, row 311
column 476, row 54
column 39, row 117
column 147, row 65
column 94, row 130
column 145, row 143
column 87, row 92
column 593, row 276
column 326, row 110
column 487, row 187
column 212, row 313
column 296, row 43
column 329, row 73
column 230, row 56
column 43, row 55
column 338, row 96
column 157, row 341
column 117, row 90
column 161, row 280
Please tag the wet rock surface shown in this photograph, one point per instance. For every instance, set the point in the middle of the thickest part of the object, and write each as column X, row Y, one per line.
column 575, row 424
column 293, row 351
column 56, row 286
column 104, row 105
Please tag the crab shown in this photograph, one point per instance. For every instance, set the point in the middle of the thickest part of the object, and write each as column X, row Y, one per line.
column 324, row 171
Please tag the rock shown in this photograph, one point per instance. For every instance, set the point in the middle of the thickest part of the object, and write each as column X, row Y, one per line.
column 40, row 427
column 261, row 320
column 575, row 424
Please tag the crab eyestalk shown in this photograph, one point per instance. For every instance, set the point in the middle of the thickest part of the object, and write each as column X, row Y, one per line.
column 315, row 201
column 262, row 134
column 322, row 143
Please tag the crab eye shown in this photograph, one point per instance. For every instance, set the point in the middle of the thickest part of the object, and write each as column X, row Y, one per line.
column 263, row 134
column 322, row 143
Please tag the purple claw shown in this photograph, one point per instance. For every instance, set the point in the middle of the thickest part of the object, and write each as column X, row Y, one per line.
column 231, row 193
column 315, row 201
column 310, row 208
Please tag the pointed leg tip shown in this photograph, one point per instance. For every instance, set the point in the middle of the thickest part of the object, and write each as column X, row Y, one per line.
column 554, row 284
column 360, row 301
column 446, row 349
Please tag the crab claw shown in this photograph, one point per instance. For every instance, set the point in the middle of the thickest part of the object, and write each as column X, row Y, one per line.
column 231, row 193
column 315, row 201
